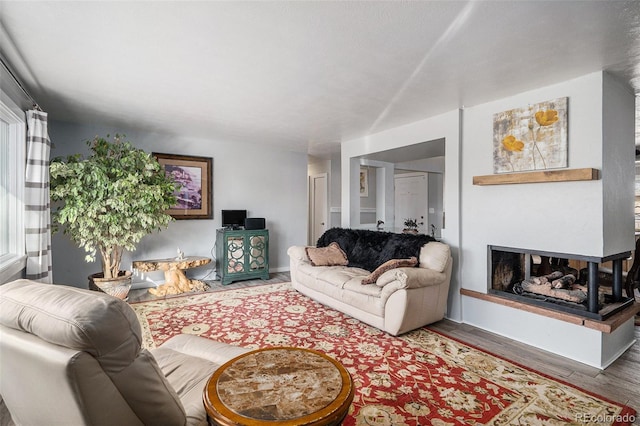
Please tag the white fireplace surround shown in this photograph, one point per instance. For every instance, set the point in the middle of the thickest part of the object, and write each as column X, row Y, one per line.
column 594, row 217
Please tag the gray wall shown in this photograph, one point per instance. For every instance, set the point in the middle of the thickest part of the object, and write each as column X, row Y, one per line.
column 267, row 182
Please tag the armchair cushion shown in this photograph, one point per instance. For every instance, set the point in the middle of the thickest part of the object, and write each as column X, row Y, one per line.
column 188, row 362
column 92, row 322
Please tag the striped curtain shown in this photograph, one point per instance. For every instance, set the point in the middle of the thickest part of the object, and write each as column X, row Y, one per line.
column 37, row 210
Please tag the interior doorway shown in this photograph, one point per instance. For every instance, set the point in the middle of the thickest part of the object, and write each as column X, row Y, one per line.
column 319, row 197
column 411, row 200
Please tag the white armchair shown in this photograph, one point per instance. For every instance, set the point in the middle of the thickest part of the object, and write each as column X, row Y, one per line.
column 73, row 357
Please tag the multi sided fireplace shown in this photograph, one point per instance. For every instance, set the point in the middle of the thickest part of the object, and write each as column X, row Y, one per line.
column 552, row 281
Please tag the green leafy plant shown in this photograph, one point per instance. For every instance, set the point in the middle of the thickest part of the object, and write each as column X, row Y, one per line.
column 110, row 199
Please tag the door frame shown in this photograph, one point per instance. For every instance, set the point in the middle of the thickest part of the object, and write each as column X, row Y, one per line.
column 312, row 205
column 425, row 218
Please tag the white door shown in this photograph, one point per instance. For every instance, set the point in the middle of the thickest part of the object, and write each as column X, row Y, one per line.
column 411, row 200
column 319, row 200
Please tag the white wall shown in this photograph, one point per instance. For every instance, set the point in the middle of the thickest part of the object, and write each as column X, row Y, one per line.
column 618, row 169
column 445, row 126
column 267, row 182
column 563, row 217
column 593, row 218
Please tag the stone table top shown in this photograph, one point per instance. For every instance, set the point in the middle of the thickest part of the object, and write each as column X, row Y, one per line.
column 292, row 386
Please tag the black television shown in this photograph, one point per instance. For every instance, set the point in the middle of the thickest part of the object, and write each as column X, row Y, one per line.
column 233, row 218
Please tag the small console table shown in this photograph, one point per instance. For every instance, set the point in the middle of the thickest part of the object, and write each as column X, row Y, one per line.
column 175, row 280
column 242, row 254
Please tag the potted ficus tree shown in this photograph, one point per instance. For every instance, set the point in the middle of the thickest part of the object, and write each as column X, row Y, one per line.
column 108, row 201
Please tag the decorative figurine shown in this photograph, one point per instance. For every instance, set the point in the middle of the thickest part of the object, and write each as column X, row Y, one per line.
column 180, row 254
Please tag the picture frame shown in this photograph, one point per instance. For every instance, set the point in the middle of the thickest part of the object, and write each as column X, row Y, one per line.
column 364, row 182
column 195, row 197
column 531, row 138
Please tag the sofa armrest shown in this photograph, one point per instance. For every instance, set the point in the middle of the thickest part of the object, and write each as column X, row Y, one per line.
column 412, row 277
column 298, row 253
column 211, row 350
column 435, row 255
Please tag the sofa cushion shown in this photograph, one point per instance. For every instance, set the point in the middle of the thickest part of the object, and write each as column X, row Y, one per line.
column 331, row 255
column 387, row 266
column 435, row 256
column 338, row 275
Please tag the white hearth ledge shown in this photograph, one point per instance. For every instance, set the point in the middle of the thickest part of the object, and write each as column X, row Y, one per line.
column 574, row 341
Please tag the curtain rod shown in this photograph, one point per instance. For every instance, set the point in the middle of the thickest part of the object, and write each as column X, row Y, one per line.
column 20, row 86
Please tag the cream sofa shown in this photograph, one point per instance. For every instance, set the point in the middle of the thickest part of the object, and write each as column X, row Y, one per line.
column 73, row 357
column 402, row 299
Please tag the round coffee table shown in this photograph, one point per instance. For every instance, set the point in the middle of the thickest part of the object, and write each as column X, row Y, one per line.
column 283, row 386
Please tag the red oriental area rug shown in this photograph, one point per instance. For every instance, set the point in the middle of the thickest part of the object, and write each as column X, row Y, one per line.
column 420, row 378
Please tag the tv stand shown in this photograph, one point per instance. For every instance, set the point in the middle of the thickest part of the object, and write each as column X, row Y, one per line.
column 242, row 254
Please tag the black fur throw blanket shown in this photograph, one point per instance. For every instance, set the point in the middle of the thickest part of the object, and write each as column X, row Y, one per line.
column 369, row 249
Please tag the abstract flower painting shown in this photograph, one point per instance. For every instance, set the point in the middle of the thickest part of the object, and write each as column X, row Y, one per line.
column 531, row 138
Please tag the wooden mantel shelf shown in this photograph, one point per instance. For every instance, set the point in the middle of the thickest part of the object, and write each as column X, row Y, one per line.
column 564, row 175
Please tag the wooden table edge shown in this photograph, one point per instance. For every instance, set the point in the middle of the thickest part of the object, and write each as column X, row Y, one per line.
column 330, row 414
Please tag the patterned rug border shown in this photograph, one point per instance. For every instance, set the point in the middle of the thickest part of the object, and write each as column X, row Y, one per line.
column 211, row 290
column 625, row 408
column 191, row 298
column 200, row 294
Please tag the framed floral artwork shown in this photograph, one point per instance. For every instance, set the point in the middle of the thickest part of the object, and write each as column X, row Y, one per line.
column 194, row 175
column 364, row 182
column 531, row 138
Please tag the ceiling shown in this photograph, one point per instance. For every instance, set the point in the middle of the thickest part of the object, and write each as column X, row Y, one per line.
column 304, row 75
column 429, row 149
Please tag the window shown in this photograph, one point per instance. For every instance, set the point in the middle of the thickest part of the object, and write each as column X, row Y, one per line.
column 12, row 170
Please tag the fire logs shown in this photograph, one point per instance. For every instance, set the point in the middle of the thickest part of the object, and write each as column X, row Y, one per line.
column 564, row 282
column 556, row 285
column 546, row 278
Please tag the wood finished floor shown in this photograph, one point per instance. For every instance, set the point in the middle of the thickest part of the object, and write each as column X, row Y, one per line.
column 620, row 382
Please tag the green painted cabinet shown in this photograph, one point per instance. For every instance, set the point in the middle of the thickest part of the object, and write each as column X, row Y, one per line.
column 242, row 254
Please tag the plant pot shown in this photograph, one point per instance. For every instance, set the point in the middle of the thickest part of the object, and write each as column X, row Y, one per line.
column 409, row 231
column 118, row 287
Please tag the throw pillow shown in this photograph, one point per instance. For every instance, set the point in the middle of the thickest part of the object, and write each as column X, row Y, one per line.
column 331, row 255
column 387, row 266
